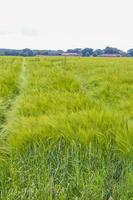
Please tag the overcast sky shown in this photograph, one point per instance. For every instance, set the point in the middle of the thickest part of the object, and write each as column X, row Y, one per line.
column 63, row 24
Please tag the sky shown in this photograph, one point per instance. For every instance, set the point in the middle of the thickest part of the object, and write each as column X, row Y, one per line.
column 64, row 24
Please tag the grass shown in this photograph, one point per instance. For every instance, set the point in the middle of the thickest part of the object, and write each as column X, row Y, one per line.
column 68, row 133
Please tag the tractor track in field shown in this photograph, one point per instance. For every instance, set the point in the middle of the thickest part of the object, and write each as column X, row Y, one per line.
column 22, row 78
column 20, row 84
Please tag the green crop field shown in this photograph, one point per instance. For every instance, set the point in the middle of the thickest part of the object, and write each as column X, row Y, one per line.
column 66, row 128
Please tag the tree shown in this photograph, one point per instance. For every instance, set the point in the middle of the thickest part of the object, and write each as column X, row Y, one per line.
column 11, row 52
column 97, row 52
column 87, row 52
column 26, row 52
column 77, row 50
column 111, row 50
column 123, row 53
column 130, row 52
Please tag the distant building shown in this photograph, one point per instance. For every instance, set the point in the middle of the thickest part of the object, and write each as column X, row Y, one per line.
column 70, row 54
column 110, row 55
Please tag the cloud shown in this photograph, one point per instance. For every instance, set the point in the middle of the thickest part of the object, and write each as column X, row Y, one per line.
column 4, row 32
column 28, row 31
column 20, row 31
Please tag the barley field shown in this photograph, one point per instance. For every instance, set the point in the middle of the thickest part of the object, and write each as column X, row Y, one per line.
column 66, row 128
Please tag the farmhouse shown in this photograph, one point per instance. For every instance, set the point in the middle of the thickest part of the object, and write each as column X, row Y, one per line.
column 110, row 55
column 70, row 54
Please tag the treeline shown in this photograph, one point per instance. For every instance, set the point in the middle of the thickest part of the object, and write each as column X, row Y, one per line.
column 86, row 52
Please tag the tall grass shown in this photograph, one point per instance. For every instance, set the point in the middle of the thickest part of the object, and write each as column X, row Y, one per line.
column 70, row 131
column 9, row 71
